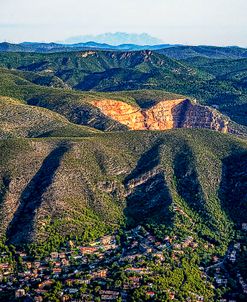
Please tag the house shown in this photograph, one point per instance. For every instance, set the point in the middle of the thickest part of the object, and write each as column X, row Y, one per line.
column 178, row 252
column 105, row 240
column 167, row 239
column 88, row 250
column 38, row 299
column 177, row 246
column 108, row 294
column 73, row 290
column 133, row 282
column 145, row 249
column 232, row 256
column 187, row 241
column 62, row 255
column 57, row 264
column 100, row 274
column 193, row 245
column 150, row 294
column 69, row 282
column 4, row 267
column 20, row 293
column 244, row 226
column 54, row 255
column 28, row 265
column 47, row 283
column 171, row 295
column 37, row 264
column 65, row 298
column 136, row 270
column 218, row 280
column 88, row 281
column 215, row 258
column 57, row 270
column 22, row 255
column 237, row 245
column 65, row 262
column 159, row 255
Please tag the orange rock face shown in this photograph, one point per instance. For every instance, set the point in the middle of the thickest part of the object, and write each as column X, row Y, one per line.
column 124, row 113
column 161, row 116
column 180, row 113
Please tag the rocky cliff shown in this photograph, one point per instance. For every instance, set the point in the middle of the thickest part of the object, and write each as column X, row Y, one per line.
column 180, row 113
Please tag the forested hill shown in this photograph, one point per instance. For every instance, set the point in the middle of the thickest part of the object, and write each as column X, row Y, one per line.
column 214, row 82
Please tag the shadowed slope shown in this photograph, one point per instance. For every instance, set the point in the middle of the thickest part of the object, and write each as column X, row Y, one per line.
column 21, row 228
column 187, row 181
column 148, row 197
column 233, row 188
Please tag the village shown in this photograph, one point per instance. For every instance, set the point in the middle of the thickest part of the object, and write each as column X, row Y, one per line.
column 89, row 273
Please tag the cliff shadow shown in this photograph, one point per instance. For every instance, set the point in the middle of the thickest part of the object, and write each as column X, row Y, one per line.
column 179, row 113
column 187, row 182
column 148, row 161
column 21, row 228
column 233, row 187
column 148, row 197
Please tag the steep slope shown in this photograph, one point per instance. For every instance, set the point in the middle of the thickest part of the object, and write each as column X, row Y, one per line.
column 75, row 106
column 71, row 186
column 233, row 72
column 20, row 120
column 166, row 114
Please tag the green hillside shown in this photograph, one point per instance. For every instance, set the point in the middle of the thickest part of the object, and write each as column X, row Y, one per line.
column 115, row 71
column 212, row 52
column 20, row 120
column 80, row 69
column 109, row 178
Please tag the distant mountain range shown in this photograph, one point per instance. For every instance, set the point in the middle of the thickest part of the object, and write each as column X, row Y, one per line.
column 174, row 51
column 57, row 47
column 116, row 39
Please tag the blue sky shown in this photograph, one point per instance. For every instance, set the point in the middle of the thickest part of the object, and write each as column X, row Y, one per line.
column 215, row 22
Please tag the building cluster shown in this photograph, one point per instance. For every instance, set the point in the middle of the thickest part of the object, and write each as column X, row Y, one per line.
column 77, row 268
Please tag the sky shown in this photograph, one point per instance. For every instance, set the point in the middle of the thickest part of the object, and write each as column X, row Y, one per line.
column 194, row 22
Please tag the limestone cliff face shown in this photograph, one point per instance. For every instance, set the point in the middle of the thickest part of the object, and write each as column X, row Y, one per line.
column 124, row 113
column 180, row 113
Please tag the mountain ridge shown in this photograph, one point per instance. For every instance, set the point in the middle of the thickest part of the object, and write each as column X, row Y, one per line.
column 116, row 71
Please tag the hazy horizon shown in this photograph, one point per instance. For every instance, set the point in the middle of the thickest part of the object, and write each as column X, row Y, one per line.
column 190, row 22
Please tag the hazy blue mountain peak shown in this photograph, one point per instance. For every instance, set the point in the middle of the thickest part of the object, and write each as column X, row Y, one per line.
column 116, row 38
